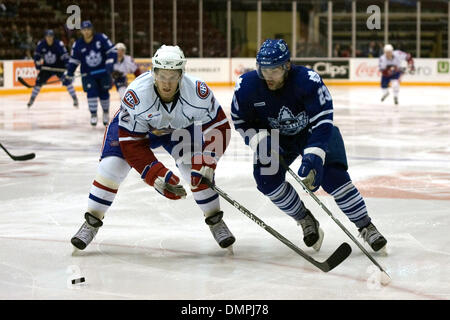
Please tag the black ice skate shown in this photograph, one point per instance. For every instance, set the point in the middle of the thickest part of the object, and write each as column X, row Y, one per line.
column 312, row 233
column 373, row 237
column 87, row 232
column 384, row 96
column 396, row 100
column 30, row 103
column 219, row 230
column 75, row 103
column 105, row 119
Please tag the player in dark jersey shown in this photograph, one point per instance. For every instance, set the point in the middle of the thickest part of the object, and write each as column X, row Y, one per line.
column 284, row 109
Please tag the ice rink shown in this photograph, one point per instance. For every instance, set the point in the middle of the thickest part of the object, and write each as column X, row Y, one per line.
column 154, row 248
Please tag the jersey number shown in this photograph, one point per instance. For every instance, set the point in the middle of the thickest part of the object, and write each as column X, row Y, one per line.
column 324, row 95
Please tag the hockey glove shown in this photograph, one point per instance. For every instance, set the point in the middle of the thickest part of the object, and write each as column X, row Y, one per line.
column 116, row 74
column 203, row 166
column 311, row 170
column 163, row 180
column 66, row 80
column 39, row 64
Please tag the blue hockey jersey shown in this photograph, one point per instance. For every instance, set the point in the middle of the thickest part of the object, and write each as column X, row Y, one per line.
column 302, row 110
column 54, row 56
column 99, row 53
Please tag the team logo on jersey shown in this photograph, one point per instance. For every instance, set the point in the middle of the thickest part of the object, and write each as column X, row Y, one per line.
column 130, row 99
column 49, row 58
column 287, row 123
column 202, row 89
column 314, row 76
column 93, row 59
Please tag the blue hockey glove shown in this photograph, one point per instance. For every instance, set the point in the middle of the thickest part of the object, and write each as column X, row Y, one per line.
column 66, row 79
column 311, row 171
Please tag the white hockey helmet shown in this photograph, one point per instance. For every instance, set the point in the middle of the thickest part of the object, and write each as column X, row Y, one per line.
column 169, row 57
column 122, row 46
column 388, row 48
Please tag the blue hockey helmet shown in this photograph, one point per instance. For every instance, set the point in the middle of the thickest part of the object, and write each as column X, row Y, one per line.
column 49, row 33
column 86, row 24
column 273, row 53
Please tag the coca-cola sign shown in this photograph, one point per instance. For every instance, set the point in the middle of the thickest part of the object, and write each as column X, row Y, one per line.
column 366, row 69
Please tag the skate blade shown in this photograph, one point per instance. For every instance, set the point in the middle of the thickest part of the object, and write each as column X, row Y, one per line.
column 230, row 251
column 75, row 250
column 383, row 251
column 318, row 243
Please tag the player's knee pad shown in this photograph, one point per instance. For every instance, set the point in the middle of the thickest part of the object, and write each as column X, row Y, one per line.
column 112, row 171
column 334, row 176
column 103, row 94
column 336, row 150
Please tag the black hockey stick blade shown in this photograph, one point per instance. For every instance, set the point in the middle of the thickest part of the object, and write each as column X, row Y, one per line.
column 24, row 82
column 24, row 157
column 341, row 253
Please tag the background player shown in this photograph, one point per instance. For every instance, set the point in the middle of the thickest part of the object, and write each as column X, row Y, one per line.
column 124, row 65
column 97, row 55
column 292, row 101
column 51, row 52
column 157, row 107
column 392, row 65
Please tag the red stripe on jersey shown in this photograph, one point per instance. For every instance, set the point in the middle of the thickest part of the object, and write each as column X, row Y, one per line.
column 218, row 147
column 99, row 185
column 136, row 152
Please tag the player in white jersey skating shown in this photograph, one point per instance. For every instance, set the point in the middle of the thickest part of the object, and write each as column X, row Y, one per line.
column 123, row 66
column 167, row 108
column 392, row 65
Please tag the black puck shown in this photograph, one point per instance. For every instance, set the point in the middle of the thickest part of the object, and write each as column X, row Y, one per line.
column 79, row 280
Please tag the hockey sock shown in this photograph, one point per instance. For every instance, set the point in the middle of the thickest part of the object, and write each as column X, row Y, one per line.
column 208, row 201
column 287, row 200
column 92, row 103
column 105, row 105
column 350, row 201
column 395, row 87
column 35, row 92
column 71, row 91
column 110, row 174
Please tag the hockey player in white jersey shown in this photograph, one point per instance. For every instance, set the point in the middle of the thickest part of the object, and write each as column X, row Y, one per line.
column 123, row 66
column 392, row 64
column 159, row 108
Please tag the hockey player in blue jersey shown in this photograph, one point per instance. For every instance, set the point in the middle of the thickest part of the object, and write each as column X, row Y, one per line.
column 284, row 109
column 97, row 55
column 51, row 53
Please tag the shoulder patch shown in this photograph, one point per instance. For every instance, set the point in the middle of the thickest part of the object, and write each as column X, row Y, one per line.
column 202, row 89
column 130, row 99
column 314, row 76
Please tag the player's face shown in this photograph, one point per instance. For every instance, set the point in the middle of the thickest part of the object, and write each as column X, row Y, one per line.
column 389, row 55
column 49, row 40
column 120, row 53
column 87, row 33
column 167, row 83
column 274, row 77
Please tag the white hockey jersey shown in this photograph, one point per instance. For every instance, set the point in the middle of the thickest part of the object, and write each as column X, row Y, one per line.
column 127, row 65
column 400, row 60
column 142, row 112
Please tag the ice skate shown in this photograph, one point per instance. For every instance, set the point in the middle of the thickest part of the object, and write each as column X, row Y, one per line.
column 30, row 102
column 312, row 233
column 384, row 96
column 94, row 120
column 373, row 237
column 75, row 103
column 220, row 231
column 396, row 100
column 105, row 118
column 87, row 232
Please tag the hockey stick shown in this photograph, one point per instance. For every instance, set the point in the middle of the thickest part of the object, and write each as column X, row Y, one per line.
column 297, row 178
column 24, row 157
column 341, row 253
column 22, row 81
